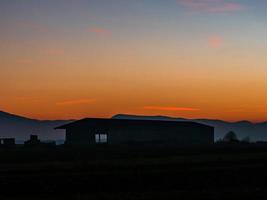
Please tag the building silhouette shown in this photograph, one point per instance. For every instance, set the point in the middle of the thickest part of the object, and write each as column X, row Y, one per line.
column 7, row 142
column 92, row 131
column 33, row 140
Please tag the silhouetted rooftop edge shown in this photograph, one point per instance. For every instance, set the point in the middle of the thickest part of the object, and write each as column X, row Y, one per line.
column 110, row 120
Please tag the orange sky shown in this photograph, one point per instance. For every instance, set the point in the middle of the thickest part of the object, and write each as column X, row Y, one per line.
column 197, row 60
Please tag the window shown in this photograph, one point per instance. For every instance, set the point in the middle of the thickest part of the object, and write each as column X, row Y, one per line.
column 101, row 138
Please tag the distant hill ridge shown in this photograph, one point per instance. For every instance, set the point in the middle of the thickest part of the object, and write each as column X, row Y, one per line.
column 12, row 125
column 256, row 131
column 21, row 127
column 162, row 117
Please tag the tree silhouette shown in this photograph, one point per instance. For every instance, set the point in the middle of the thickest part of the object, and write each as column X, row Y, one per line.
column 230, row 137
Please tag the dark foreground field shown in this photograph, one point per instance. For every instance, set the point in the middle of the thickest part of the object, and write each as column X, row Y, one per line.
column 219, row 172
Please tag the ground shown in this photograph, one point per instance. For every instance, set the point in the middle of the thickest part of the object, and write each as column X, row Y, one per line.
column 217, row 172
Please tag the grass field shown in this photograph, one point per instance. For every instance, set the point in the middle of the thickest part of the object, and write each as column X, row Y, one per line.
column 218, row 172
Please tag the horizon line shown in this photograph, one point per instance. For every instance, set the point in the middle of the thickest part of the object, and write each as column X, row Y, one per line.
column 134, row 115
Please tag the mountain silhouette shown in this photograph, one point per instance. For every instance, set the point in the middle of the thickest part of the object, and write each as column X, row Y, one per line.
column 256, row 131
column 21, row 127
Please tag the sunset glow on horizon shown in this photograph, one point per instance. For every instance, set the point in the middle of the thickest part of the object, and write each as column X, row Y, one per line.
column 70, row 59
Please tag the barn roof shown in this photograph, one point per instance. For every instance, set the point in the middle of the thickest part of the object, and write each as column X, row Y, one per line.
column 110, row 121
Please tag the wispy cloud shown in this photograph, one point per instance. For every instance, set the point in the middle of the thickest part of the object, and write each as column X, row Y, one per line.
column 99, row 31
column 251, row 110
column 215, row 42
column 29, row 99
column 212, row 6
column 169, row 108
column 76, row 102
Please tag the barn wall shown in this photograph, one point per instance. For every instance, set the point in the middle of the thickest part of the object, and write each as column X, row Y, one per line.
column 80, row 136
column 180, row 135
column 164, row 135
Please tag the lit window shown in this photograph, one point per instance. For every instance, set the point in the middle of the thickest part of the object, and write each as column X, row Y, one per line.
column 101, row 138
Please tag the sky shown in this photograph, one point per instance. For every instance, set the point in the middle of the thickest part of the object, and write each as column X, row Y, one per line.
column 69, row 59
